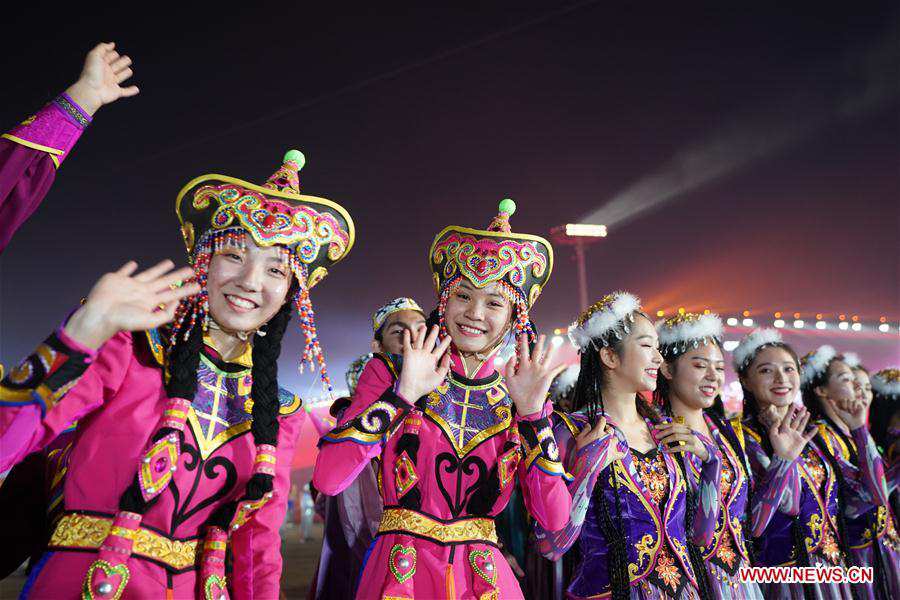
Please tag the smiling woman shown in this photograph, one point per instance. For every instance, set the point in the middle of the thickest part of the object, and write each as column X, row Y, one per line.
column 452, row 435
column 183, row 443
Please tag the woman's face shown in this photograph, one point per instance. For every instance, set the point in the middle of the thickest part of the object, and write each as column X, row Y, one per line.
column 247, row 286
column 864, row 386
column 772, row 377
column 477, row 318
column 840, row 384
column 638, row 361
column 696, row 377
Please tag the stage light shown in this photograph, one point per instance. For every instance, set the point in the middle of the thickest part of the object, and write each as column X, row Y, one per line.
column 777, row 315
column 842, row 317
column 843, row 325
column 798, row 324
column 884, row 328
column 779, row 323
column 680, row 310
column 796, row 315
column 746, row 313
column 882, row 320
column 660, row 313
column 856, row 327
column 585, row 230
column 731, row 321
column 855, row 318
column 705, row 311
column 747, row 322
column 821, row 325
column 730, row 345
column 556, row 340
column 819, row 316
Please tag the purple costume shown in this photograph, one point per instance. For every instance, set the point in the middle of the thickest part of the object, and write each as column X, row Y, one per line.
column 653, row 504
column 29, row 156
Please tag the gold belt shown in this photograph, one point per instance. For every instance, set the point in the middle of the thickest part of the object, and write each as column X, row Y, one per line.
column 88, row 531
column 400, row 520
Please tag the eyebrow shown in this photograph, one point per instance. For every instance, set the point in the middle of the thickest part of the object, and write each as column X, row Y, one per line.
column 647, row 336
column 787, row 363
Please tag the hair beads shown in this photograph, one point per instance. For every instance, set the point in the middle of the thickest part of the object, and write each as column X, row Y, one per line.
column 522, row 323
column 312, row 351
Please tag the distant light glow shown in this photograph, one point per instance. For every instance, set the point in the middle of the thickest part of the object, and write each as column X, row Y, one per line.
column 884, row 328
column 821, row 325
column 729, row 346
column 556, row 340
column 843, row 325
column 798, row 324
column 748, row 322
column 660, row 313
column 585, row 230
column 779, row 323
column 732, row 321
column 856, row 327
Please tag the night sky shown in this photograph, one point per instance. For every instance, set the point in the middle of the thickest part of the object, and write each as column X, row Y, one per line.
column 763, row 144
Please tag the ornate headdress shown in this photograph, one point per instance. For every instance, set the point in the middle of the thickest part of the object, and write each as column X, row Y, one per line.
column 520, row 263
column 886, row 382
column 565, row 382
column 816, row 363
column 610, row 317
column 394, row 306
column 688, row 330
column 315, row 233
column 751, row 344
column 354, row 371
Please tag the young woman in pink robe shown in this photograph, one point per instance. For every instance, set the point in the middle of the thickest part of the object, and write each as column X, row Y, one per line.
column 184, row 440
column 453, row 435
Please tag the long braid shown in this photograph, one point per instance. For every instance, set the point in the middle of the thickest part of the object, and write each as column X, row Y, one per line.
column 733, row 441
column 264, row 414
column 183, row 363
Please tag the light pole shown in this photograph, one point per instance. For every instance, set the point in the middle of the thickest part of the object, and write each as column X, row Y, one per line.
column 579, row 236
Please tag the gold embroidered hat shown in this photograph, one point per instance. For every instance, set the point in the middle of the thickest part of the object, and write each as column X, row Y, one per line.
column 314, row 233
column 521, row 263
column 318, row 231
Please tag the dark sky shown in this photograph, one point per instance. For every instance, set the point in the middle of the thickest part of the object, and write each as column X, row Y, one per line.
column 415, row 116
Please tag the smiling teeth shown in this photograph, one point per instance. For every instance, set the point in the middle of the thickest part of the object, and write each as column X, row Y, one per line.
column 470, row 329
column 241, row 302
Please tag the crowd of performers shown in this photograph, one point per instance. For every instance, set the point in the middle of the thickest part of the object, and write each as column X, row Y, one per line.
column 164, row 440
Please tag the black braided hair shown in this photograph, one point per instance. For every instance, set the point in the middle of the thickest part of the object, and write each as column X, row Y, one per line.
column 184, row 360
column 264, row 414
column 717, row 413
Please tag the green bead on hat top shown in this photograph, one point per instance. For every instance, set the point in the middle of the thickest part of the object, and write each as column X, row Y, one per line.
column 296, row 157
column 508, row 206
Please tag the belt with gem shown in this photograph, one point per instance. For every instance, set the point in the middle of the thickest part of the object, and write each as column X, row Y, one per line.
column 82, row 531
column 460, row 531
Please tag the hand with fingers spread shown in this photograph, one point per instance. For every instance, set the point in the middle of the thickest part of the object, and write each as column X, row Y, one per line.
column 426, row 363
column 851, row 411
column 101, row 77
column 677, row 437
column 125, row 301
column 529, row 375
column 788, row 435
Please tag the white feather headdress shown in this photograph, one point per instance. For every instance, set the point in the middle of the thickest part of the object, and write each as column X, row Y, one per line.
column 851, row 359
column 688, row 330
column 750, row 345
column 816, row 363
column 886, row 382
column 564, row 382
column 603, row 317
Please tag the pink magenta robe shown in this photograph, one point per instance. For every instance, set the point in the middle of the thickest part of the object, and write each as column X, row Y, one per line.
column 29, row 156
column 117, row 397
column 470, row 450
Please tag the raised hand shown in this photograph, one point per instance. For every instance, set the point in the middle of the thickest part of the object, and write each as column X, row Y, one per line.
column 101, row 77
column 788, row 435
column 425, row 363
column 529, row 375
column 851, row 411
column 123, row 301
column 677, row 437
